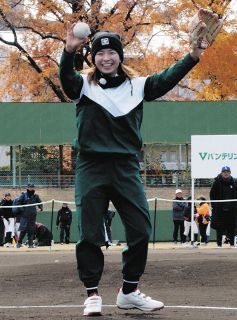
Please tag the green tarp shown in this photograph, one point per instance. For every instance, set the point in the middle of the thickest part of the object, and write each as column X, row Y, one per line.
column 163, row 226
column 37, row 123
column 164, row 122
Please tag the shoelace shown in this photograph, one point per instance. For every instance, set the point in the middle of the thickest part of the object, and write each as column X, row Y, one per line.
column 92, row 300
column 142, row 295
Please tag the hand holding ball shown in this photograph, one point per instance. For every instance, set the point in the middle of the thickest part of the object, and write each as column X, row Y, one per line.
column 81, row 30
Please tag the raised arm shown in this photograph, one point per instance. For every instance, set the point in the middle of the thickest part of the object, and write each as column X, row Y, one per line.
column 203, row 29
column 71, row 79
column 159, row 84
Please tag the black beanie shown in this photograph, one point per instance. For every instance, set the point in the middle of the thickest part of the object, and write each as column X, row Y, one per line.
column 104, row 40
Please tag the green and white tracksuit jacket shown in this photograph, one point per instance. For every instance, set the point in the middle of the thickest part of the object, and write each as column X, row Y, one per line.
column 107, row 169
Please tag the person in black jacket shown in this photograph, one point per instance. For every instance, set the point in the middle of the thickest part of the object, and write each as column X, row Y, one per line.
column 64, row 220
column 8, row 218
column 224, row 214
column 43, row 235
column 178, row 216
column 28, row 214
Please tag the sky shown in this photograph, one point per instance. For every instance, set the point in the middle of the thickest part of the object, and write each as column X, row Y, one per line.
column 157, row 41
column 160, row 39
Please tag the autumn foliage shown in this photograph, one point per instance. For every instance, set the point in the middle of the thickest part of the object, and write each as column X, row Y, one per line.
column 37, row 28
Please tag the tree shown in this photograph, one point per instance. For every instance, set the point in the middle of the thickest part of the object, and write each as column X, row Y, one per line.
column 216, row 76
column 218, row 71
column 39, row 159
column 38, row 29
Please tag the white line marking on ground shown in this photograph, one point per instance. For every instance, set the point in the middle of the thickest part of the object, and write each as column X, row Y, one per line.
column 202, row 307
column 46, row 306
column 112, row 306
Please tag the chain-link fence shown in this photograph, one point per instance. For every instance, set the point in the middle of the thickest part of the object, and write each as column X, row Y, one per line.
column 67, row 181
column 39, row 179
column 54, row 166
column 45, row 166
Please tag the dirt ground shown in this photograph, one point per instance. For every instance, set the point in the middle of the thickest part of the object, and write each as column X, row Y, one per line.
column 43, row 284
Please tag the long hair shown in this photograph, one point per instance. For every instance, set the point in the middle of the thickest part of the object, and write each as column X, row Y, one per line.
column 129, row 72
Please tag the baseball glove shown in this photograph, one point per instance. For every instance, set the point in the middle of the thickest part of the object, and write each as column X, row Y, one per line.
column 219, row 6
column 203, row 28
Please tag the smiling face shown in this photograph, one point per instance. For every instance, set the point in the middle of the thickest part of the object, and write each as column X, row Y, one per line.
column 107, row 61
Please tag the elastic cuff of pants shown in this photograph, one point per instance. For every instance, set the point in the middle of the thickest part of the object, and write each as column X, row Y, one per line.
column 91, row 285
column 92, row 288
column 131, row 280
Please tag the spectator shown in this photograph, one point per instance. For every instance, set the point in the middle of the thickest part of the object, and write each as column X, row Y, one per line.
column 17, row 212
column 9, row 220
column 43, row 236
column 28, row 215
column 187, row 221
column 64, row 220
column 178, row 216
column 224, row 214
column 203, row 218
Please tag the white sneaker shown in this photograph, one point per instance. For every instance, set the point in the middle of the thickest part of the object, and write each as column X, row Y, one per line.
column 93, row 306
column 137, row 300
column 7, row 245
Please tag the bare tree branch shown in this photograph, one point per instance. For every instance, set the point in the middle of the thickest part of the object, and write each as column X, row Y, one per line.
column 43, row 36
column 128, row 16
column 8, row 24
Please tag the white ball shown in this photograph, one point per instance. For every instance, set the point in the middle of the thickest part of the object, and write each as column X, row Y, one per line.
column 81, row 30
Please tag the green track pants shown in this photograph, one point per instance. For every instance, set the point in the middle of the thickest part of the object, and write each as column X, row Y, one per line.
column 100, row 179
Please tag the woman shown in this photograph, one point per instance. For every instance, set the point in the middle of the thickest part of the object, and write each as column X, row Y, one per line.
column 109, row 103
